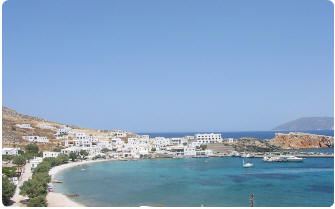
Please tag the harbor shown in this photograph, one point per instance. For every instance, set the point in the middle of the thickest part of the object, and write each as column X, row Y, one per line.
column 214, row 181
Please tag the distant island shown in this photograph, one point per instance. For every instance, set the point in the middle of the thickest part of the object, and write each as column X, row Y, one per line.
column 307, row 124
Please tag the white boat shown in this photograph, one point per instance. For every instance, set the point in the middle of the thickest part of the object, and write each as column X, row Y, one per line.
column 282, row 158
column 294, row 159
column 247, row 164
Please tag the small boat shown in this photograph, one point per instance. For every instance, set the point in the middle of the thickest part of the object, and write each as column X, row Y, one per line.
column 247, row 164
column 282, row 158
column 56, row 181
column 83, row 169
column 294, row 159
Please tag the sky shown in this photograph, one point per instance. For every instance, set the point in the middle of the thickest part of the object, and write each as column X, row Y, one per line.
column 169, row 65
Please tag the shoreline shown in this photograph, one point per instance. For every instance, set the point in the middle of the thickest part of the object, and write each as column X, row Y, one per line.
column 57, row 199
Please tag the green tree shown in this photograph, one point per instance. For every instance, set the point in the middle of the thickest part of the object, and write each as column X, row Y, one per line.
column 57, row 149
column 9, row 171
column 62, row 159
column 28, row 155
column 32, row 148
column 38, row 201
column 203, row 146
column 153, row 149
column 104, row 150
column 73, row 156
column 43, row 167
column 7, row 157
column 19, row 160
column 33, row 188
column 83, row 154
column 8, row 190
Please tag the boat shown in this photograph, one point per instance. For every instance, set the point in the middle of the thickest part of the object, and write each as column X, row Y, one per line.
column 294, row 159
column 247, row 155
column 282, row 158
column 56, row 181
column 247, row 164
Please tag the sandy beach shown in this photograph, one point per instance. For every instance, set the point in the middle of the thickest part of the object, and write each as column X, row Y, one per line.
column 55, row 199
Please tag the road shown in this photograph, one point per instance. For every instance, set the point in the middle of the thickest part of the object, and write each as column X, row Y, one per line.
column 24, row 177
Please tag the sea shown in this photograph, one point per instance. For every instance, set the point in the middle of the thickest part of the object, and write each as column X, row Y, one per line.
column 237, row 135
column 201, row 182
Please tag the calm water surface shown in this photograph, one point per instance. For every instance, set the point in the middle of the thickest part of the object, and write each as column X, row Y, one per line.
column 196, row 182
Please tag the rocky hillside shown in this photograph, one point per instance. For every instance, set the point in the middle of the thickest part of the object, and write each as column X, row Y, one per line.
column 254, row 145
column 12, row 135
column 302, row 141
column 308, row 123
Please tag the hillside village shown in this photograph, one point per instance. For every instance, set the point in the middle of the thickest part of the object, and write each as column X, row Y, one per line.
column 32, row 146
column 55, row 138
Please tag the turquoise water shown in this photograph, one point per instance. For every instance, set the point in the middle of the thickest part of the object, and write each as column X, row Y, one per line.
column 196, row 182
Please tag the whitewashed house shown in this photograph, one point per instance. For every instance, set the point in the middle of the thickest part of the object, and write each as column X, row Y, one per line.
column 15, row 180
column 50, row 154
column 189, row 151
column 45, row 126
column 119, row 133
column 34, row 162
column 10, row 151
column 63, row 131
column 178, row 141
column 159, row 143
column 38, row 139
column 82, row 140
column 24, row 125
column 208, row 138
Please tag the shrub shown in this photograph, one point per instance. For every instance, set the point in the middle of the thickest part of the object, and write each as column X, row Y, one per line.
column 9, row 171
column 8, row 190
column 19, row 160
column 38, row 201
column 104, row 150
column 43, row 167
column 32, row 148
column 7, row 157
column 33, row 188
column 73, row 156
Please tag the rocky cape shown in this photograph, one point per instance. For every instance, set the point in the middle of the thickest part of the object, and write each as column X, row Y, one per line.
column 294, row 140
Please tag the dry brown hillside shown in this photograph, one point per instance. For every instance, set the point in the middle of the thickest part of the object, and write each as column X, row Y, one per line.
column 12, row 135
column 302, row 141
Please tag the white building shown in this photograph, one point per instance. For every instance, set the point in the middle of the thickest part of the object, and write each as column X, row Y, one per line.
column 34, row 162
column 63, row 131
column 119, row 133
column 10, row 151
column 92, row 151
column 208, row 138
column 45, row 126
column 39, row 139
column 204, row 153
column 230, row 140
column 160, row 142
column 15, row 180
column 190, row 151
column 82, row 140
column 176, row 150
column 50, row 154
column 178, row 141
column 24, row 125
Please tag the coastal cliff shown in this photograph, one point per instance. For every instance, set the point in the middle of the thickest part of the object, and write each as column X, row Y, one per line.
column 301, row 141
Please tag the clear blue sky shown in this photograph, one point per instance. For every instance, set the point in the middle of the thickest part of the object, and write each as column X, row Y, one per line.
column 169, row 65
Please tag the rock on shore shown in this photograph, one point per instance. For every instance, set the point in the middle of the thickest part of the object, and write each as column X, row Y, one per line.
column 302, row 141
